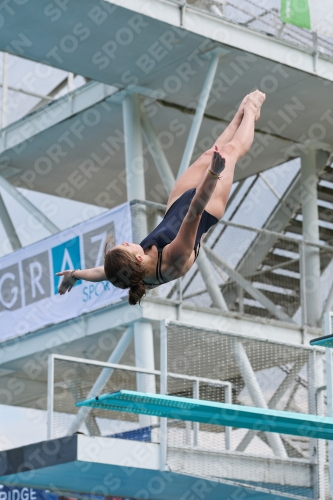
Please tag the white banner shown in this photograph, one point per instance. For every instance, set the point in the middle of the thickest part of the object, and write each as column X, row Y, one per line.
column 28, row 285
column 315, row 15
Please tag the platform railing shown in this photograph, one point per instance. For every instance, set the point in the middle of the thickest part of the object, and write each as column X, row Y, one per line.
column 196, row 381
column 264, row 374
column 328, row 329
column 260, row 17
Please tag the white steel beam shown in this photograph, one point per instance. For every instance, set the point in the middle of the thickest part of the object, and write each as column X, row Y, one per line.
column 67, row 335
column 212, row 286
column 247, row 286
column 4, row 90
column 9, row 226
column 318, row 407
column 242, row 467
column 144, row 358
column 50, row 395
column 285, row 384
column 202, row 103
column 146, row 91
column 77, row 101
column 329, row 391
column 102, row 379
column 91, row 423
column 70, row 82
column 27, row 205
column 51, row 95
column 28, row 92
column 163, row 390
column 92, row 427
column 328, row 303
column 329, row 300
column 270, row 186
column 311, row 280
column 280, row 391
column 135, row 181
column 157, row 152
column 255, row 392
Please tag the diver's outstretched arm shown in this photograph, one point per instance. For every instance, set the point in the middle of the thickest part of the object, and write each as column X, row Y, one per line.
column 94, row 274
column 181, row 248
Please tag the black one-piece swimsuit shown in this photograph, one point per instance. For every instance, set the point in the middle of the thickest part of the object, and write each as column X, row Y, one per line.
column 168, row 229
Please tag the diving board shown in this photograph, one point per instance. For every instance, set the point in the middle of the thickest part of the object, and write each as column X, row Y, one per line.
column 325, row 341
column 210, row 412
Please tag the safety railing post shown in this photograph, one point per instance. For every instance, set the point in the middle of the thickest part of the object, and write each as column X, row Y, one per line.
column 321, row 445
column 228, row 400
column 50, row 396
column 4, row 90
column 302, row 283
column 317, row 446
column 163, row 390
column 163, row 357
column 179, row 286
column 329, row 392
column 196, row 395
column 188, row 432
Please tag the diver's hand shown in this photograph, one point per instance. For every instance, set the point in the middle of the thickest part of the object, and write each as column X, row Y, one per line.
column 67, row 282
column 218, row 162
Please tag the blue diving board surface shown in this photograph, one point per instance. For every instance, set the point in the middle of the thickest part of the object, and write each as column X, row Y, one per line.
column 325, row 341
column 209, row 412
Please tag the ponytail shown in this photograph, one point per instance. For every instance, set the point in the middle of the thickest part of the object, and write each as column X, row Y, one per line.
column 136, row 292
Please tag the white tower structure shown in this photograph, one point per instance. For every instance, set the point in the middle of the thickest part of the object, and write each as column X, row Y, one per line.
column 140, row 89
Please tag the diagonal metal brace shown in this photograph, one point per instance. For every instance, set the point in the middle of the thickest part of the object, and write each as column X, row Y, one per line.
column 27, row 205
column 247, row 286
column 203, row 99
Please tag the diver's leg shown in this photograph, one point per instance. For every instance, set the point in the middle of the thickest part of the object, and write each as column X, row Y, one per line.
column 235, row 149
column 194, row 174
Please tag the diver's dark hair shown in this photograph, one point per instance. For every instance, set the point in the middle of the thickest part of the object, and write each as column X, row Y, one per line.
column 124, row 271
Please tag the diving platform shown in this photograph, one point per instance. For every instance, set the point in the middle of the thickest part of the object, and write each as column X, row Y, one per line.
column 185, row 448
column 125, row 468
column 324, row 341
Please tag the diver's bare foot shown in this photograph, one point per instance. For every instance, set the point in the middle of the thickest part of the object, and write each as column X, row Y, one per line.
column 254, row 102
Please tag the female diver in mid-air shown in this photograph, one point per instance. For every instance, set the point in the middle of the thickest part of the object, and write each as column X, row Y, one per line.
column 196, row 202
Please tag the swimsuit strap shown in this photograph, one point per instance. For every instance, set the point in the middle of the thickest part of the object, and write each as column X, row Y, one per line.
column 196, row 251
column 159, row 276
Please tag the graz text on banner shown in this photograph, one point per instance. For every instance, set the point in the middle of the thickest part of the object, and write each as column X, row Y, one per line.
column 28, row 285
